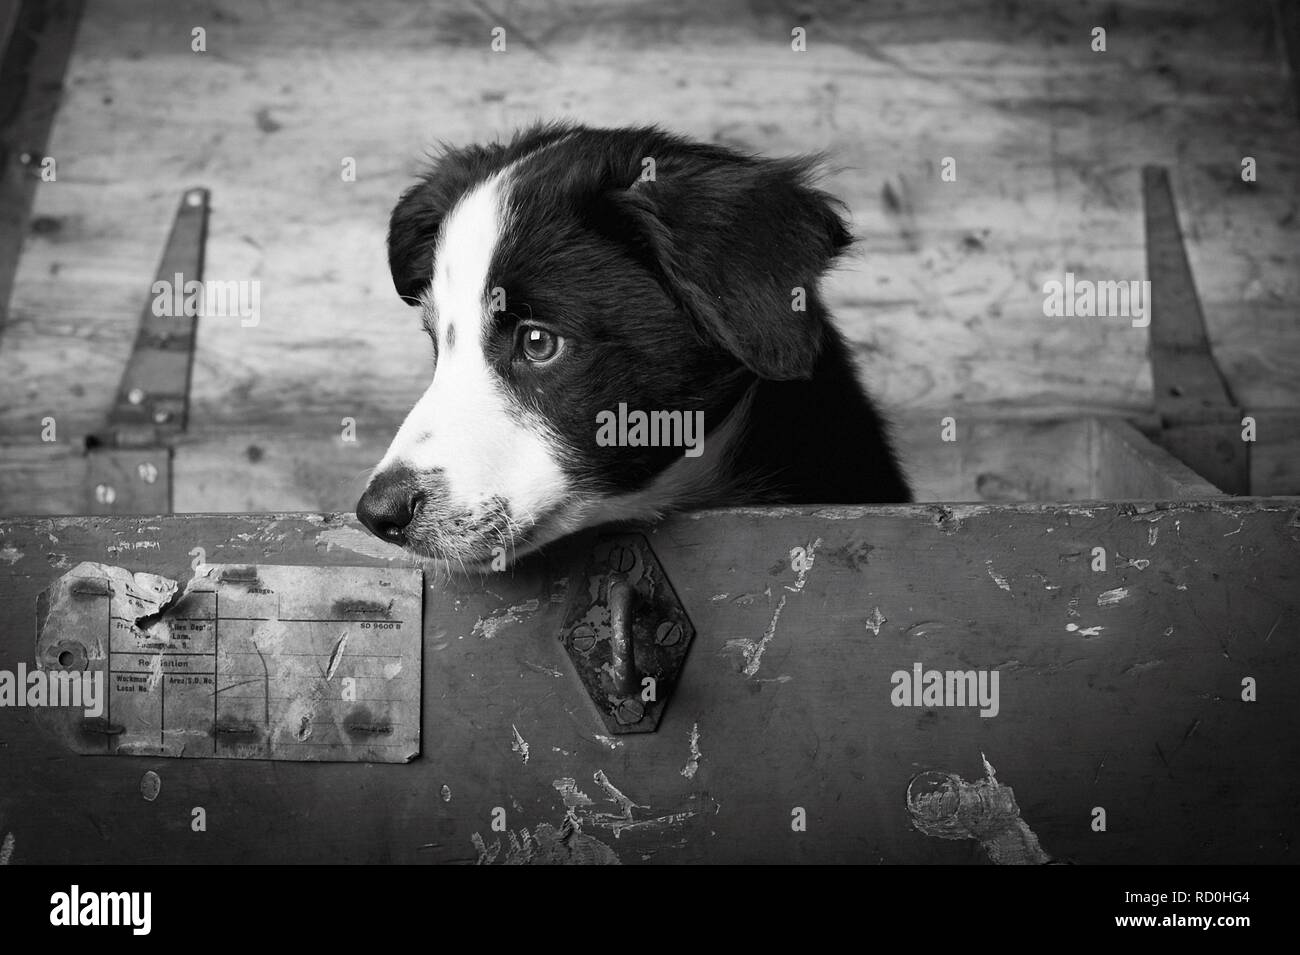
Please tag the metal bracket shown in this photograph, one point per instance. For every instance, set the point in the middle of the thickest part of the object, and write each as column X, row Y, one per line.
column 1200, row 422
column 626, row 633
column 129, row 469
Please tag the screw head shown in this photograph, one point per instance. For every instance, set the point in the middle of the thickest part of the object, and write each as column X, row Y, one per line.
column 161, row 417
column 629, row 711
column 668, row 634
column 135, row 396
column 584, row 638
column 194, row 198
column 148, row 472
column 105, row 494
column 621, row 559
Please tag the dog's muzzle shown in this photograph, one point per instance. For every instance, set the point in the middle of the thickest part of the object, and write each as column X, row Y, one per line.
column 390, row 503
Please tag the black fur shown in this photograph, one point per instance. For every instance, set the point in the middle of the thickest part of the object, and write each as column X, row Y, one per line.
column 672, row 294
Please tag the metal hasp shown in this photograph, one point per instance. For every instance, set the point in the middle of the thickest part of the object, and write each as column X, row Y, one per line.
column 130, row 461
column 1200, row 423
column 626, row 633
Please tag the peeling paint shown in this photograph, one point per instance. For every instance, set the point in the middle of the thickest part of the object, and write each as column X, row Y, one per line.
column 753, row 650
column 996, row 577
column 1084, row 631
column 547, row 845
column 445, row 793
column 121, row 545
column 875, row 622
column 612, row 742
column 7, row 849
column 802, row 565
column 945, row 516
column 491, row 625
column 573, row 797
column 1110, row 598
column 486, row 856
column 693, row 761
column 359, row 542
column 945, row 806
column 542, row 668
column 1153, row 535
column 614, row 795
column 582, row 812
column 10, row 554
column 519, row 745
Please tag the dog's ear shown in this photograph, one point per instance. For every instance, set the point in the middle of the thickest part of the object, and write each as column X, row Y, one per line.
column 419, row 213
column 742, row 243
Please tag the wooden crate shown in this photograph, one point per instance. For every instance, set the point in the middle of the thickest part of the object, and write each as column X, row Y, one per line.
column 1120, row 690
column 1122, row 687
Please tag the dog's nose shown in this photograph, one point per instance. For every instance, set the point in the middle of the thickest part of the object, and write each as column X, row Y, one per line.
column 389, row 504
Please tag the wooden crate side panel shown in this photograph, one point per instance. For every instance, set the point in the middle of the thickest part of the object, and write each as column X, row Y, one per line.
column 1127, row 466
column 1118, row 689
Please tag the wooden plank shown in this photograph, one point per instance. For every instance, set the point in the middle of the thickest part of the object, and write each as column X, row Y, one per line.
column 1275, row 459
column 1128, row 467
column 1119, row 689
column 996, row 459
column 42, row 479
column 993, row 460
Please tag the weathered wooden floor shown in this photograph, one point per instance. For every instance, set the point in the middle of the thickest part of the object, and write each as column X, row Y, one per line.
column 944, row 302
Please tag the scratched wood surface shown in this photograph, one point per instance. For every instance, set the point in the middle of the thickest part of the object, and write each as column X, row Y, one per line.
column 943, row 303
column 1118, row 689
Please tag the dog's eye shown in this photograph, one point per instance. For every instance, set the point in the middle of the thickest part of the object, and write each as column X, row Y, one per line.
column 537, row 344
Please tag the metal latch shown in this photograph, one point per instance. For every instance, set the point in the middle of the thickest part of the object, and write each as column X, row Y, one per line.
column 626, row 633
column 1200, row 421
column 130, row 461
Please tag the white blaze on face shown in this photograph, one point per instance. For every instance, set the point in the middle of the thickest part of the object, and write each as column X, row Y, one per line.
column 466, row 423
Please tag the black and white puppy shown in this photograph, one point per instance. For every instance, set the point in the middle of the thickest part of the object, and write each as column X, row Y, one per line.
column 576, row 270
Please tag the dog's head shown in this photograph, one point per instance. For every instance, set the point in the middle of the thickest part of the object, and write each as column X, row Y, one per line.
column 571, row 271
